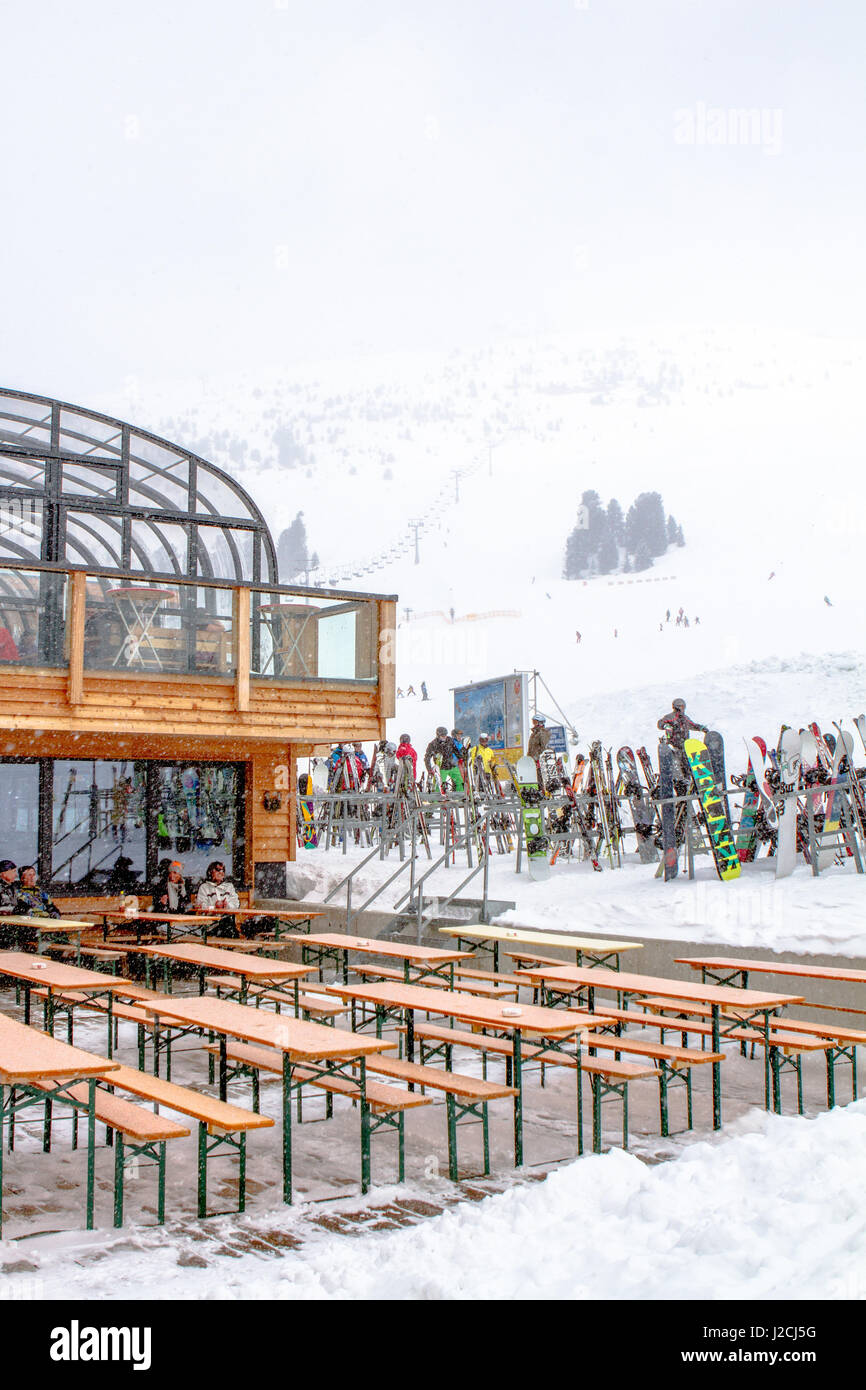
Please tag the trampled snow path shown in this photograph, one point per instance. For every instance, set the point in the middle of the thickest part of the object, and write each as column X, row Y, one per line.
column 774, row 1212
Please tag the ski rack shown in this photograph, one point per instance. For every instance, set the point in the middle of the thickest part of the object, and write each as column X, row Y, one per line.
column 480, row 825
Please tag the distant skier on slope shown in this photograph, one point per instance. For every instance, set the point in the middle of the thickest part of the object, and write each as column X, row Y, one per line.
column 827, row 601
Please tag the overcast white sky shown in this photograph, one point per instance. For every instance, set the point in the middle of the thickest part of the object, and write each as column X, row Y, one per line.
column 200, row 185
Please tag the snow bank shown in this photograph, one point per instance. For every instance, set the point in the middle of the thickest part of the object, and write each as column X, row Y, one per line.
column 774, row 1212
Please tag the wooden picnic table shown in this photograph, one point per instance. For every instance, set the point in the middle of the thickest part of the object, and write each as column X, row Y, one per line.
column 57, row 978
column 323, row 1050
column 200, row 921
column 746, row 1006
column 249, row 968
column 599, row 951
column 279, row 915
column 28, row 1057
column 427, row 960
column 48, row 926
column 725, row 969
column 554, row 1025
column 141, row 920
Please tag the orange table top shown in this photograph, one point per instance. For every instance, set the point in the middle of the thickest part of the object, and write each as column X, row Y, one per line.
column 433, row 955
column 769, row 967
column 300, row 1039
column 212, row 958
column 620, row 981
column 522, row 1018
column 26, row 1054
column 52, row 974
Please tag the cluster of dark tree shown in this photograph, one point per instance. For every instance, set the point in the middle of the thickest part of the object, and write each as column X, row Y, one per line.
column 293, row 557
column 607, row 541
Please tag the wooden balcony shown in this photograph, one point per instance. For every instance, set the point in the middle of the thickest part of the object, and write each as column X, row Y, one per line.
column 121, row 657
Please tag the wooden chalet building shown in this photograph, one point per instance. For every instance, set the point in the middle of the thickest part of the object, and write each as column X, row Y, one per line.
column 157, row 684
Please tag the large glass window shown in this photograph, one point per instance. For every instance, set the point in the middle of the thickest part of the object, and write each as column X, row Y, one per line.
column 19, row 812
column 99, row 824
column 301, row 638
column 32, row 618
column 141, row 626
column 197, row 815
column 114, row 821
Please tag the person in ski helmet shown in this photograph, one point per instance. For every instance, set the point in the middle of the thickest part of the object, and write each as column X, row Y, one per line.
column 538, row 738
column 445, row 751
column 405, row 750
column 482, row 757
column 677, row 725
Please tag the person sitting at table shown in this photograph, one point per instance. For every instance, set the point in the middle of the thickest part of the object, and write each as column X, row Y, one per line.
column 171, row 893
column 217, row 892
column 33, row 900
column 10, row 902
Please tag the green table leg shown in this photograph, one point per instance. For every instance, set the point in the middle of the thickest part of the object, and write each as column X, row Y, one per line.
column 160, row 1198
column 118, row 1179
column 578, row 1054
column 452, row 1137
column 202, row 1168
column 518, row 1101
column 287, row 1128
column 717, row 1072
column 365, row 1127
column 91, row 1148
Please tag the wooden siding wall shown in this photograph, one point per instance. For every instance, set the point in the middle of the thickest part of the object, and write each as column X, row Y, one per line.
column 37, row 700
column 269, row 829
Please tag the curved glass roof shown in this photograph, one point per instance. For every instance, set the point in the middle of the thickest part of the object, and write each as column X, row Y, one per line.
column 82, row 489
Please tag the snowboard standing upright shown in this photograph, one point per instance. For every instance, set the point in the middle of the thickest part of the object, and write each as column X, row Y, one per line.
column 789, row 780
column 526, row 780
column 712, row 809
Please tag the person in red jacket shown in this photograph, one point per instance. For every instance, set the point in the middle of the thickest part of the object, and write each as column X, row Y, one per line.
column 8, row 649
column 405, row 750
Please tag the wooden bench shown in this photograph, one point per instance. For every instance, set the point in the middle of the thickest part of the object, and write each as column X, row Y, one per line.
column 387, row 1104
column 464, row 1096
column 93, row 953
column 310, row 1005
column 461, row 982
column 789, row 1040
column 607, row 1078
column 225, row 1125
column 138, row 1132
column 674, row 1064
column 127, row 1012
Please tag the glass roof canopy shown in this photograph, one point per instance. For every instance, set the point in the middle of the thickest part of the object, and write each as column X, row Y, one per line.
column 82, row 489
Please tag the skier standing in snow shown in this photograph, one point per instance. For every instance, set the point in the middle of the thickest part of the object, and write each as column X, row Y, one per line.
column 444, row 750
column 538, row 738
column 424, row 695
column 405, row 750
column 677, row 726
column 482, row 757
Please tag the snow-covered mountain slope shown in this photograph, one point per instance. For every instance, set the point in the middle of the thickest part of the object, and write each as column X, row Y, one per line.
column 755, row 444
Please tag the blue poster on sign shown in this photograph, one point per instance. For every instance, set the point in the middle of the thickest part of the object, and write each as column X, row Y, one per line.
column 495, row 708
column 558, row 738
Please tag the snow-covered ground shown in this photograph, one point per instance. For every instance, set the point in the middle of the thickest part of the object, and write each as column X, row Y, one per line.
column 801, row 914
column 773, row 1209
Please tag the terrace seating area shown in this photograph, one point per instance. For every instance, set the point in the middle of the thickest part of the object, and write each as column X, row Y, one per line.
column 241, row 1049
